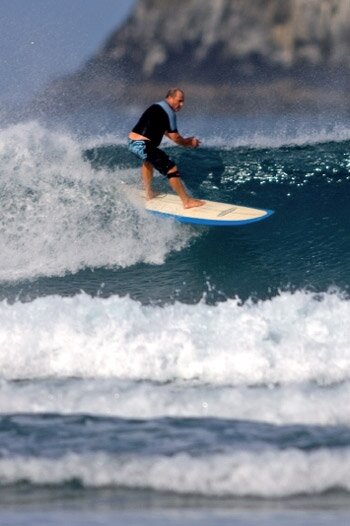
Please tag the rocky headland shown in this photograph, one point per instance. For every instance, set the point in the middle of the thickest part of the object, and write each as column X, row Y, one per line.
column 238, row 56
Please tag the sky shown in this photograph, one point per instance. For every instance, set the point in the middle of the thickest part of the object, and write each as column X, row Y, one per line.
column 43, row 39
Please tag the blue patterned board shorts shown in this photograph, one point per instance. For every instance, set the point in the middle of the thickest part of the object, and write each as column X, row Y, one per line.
column 146, row 151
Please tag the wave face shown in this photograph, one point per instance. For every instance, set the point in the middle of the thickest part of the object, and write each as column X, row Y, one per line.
column 142, row 357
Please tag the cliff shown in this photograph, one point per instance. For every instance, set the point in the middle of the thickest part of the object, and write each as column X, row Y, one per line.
column 250, row 54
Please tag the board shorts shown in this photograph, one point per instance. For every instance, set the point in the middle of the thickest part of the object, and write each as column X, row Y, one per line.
column 146, row 151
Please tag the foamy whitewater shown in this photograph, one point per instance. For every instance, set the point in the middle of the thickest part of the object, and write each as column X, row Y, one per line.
column 149, row 364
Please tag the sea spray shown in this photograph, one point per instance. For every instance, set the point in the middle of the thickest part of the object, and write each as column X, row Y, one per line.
column 59, row 215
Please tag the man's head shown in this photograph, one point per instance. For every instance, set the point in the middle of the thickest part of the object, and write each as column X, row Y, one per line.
column 175, row 98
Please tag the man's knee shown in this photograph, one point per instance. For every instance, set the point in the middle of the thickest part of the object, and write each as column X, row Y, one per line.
column 174, row 172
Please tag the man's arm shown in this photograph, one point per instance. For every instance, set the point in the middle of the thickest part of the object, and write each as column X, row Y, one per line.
column 188, row 142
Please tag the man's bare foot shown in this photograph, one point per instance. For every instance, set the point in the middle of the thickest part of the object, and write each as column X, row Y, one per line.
column 192, row 203
column 150, row 194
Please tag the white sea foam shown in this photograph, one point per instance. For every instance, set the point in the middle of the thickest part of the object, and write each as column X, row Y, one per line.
column 290, row 338
column 58, row 215
column 265, row 473
column 298, row 403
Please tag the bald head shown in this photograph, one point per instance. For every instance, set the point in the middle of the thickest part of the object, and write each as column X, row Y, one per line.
column 172, row 92
column 175, row 98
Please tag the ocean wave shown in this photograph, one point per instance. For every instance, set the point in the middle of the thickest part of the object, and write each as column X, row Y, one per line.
column 297, row 403
column 291, row 338
column 268, row 473
column 59, row 215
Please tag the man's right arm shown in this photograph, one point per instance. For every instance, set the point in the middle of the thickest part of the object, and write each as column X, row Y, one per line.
column 188, row 142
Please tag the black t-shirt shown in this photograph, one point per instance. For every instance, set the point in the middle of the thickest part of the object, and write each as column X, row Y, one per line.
column 153, row 123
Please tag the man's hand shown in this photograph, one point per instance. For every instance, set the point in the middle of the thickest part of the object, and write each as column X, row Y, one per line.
column 188, row 142
column 192, row 142
column 195, row 142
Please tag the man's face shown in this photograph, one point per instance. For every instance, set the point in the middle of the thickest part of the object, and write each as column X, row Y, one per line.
column 177, row 101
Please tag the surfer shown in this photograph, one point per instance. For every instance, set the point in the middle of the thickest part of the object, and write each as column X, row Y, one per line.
column 159, row 120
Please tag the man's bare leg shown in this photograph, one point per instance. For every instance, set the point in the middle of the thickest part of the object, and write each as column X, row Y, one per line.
column 147, row 178
column 178, row 187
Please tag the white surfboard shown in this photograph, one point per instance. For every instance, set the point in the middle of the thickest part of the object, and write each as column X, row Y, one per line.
column 212, row 213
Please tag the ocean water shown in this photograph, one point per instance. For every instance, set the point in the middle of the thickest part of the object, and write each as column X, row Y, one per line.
column 159, row 373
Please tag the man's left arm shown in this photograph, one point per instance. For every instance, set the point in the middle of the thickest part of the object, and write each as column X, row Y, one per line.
column 187, row 142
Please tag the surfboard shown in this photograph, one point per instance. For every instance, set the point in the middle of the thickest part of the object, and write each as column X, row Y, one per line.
column 212, row 213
